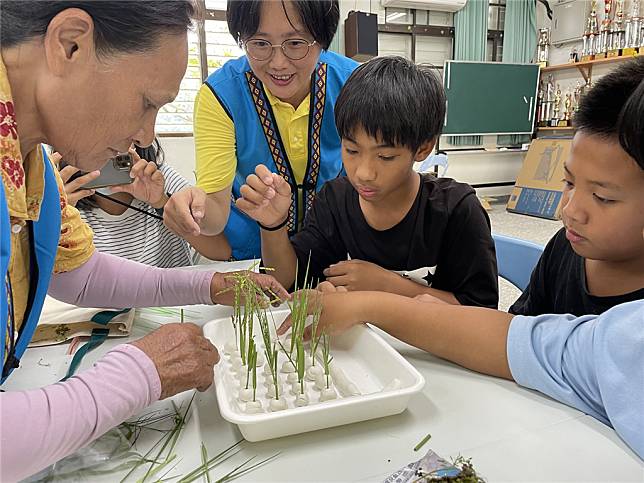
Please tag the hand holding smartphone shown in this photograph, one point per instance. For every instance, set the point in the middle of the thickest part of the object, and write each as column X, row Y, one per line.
column 115, row 172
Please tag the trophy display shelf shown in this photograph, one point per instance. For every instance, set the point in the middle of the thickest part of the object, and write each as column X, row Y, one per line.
column 586, row 67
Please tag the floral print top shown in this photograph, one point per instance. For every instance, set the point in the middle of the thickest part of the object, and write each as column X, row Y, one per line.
column 23, row 182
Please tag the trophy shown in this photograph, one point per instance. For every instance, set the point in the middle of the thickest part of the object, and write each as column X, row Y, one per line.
column 549, row 90
column 542, row 47
column 574, row 56
column 633, row 32
column 591, row 33
column 605, row 35
column 617, row 31
column 576, row 97
column 568, row 108
column 554, row 121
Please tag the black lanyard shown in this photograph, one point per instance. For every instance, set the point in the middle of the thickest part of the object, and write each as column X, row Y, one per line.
column 119, row 202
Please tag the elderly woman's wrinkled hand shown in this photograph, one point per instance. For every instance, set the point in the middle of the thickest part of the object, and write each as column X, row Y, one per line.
column 222, row 285
column 184, row 358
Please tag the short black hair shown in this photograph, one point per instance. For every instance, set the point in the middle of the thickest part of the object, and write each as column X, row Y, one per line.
column 119, row 25
column 152, row 153
column 320, row 17
column 394, row 100
column 614, row 108
column 631, row 125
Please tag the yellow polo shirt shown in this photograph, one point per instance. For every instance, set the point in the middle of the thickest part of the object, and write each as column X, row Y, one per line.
column 23, row 184
column 215, row 139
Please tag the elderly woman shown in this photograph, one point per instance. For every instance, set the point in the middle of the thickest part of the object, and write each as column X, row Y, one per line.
column 272, row 106
column 66, row 80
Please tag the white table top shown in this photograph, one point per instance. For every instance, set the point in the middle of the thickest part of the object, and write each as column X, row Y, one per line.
column 511, row 433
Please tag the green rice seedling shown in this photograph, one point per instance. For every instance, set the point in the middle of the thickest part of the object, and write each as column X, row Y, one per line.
column 301, row 366
column 326, row 355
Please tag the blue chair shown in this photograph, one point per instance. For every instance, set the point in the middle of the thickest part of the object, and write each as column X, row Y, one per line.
column 438, row 161
column 516, row 259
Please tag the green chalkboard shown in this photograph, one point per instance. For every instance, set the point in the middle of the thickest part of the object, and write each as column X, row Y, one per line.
column 490, row 97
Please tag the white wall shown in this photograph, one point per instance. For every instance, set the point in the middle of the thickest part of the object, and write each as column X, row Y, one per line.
column 180, row 154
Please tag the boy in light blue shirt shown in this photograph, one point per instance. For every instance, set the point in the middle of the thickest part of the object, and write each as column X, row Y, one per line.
column 594, row 363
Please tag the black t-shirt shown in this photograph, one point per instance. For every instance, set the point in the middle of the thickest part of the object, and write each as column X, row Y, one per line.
column 444, row 240
column 558, row 285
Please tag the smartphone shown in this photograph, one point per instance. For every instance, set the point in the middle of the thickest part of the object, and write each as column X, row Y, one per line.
column 115, row 172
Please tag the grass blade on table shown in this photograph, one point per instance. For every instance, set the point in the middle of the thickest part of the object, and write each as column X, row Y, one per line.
column 204, row 461
column 211, row 463
column 168, row 440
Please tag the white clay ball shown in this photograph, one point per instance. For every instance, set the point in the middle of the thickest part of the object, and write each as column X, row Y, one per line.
column 313, row 372
column 253, row 407
column 277, row 404
column 292, row 377
column 328, row 394
column 288, row 367
column 267, row 370
column 246, row 394
column 302, row 400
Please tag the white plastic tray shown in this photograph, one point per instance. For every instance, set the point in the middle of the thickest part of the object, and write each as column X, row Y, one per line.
column 385, row 380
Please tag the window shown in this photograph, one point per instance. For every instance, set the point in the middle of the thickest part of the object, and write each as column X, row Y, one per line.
column 219, row 46
column 394, row 44
column 176, row 117
column 422, row 36
column 496, row 22
column 433, row 50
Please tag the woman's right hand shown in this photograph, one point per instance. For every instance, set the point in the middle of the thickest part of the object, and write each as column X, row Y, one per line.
column 185, row 210
column 184, row 358
column 266, row 197
column 74, row 188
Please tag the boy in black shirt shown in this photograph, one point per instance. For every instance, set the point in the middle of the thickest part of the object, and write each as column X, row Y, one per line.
column 597, row 260
column 383, row 226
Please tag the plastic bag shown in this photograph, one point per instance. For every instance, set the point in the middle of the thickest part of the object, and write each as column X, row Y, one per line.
column 110, row 453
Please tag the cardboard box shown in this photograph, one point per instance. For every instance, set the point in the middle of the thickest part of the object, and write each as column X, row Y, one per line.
column 538, row 189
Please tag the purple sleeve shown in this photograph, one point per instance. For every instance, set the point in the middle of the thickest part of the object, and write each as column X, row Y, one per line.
column 114, row 282
column 41, row 426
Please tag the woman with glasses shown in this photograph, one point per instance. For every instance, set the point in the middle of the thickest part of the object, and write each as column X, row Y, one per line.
column 273, row 106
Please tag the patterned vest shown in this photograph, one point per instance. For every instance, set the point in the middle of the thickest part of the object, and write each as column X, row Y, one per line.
column 44, row 244
column 258, row 140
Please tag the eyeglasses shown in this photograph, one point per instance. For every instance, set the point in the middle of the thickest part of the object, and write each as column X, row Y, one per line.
column 294, row 49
